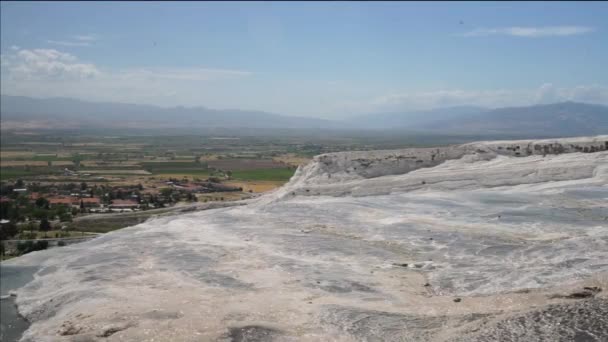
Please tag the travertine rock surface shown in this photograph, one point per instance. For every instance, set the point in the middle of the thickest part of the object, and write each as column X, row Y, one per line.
column 479, row 242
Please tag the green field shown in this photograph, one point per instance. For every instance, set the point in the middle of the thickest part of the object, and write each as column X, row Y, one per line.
column 108, row 222
column 104, row 224
column 176, row 168
column 264, row 174
column 167, row 155
column 193, row 172
column 13, row 172
column 171, row 165
column 50, row 158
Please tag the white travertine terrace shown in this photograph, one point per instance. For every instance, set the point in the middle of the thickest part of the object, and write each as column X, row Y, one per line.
column 358, row 246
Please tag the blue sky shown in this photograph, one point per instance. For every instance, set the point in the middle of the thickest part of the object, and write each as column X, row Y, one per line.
column 331, row 59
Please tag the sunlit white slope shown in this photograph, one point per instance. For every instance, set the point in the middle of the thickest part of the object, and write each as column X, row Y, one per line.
column 315, row 260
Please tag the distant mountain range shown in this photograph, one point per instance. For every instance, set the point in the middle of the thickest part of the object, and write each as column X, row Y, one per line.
column 72, row 113
column 558, row 119
column 415, row 119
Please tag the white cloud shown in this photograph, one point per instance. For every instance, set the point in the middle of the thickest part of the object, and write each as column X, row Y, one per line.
column 53, row 64
column 40, row 64
column 548, row 93
column 49, row 54
column 53, row 73
column 531, row 32
column 14, row 47
column 50, row 73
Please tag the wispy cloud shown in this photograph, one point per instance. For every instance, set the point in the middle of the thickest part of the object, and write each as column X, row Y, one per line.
column 75, row 40
column 45, row 64
column 68, row 43
column 411, row 101
column 184, row 74
column 531, row 32
column 51, row 72
column 85, row 38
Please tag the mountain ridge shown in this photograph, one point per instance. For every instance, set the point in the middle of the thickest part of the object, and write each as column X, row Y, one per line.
column 560, row 119
column 22, row 108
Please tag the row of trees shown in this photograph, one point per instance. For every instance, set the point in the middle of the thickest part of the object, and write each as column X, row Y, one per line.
column 22, row 210
column 10, row 229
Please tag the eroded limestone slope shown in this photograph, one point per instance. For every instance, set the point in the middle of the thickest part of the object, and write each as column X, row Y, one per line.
column 473, row 243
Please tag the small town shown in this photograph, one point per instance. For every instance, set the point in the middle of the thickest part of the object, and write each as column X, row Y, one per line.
column 35, row 211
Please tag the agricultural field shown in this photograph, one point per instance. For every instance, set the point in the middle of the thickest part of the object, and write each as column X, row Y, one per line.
column 291, row 159
column 257, row 162
column 242, row 164
column 255, row 186
column 275, row 174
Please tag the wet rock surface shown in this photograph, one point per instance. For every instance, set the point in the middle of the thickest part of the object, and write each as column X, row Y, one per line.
column 12, row 324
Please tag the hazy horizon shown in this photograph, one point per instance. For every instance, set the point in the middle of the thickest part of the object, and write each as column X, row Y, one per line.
column 321, row 60
column 405, row 112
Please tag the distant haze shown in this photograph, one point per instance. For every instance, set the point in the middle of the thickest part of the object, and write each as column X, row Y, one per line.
column 558, row 119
